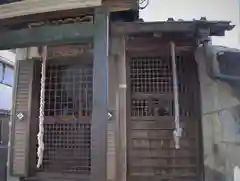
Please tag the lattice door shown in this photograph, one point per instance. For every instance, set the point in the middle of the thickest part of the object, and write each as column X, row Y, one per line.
column 151, row 148
column 67, row 125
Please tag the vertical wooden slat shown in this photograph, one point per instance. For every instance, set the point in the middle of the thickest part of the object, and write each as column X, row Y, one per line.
column 100, row 98
column 111, row 151
column 20, row 128
column 114, row 168
column 112, row 85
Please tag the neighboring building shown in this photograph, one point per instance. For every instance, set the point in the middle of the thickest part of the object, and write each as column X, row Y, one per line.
column 7, row 59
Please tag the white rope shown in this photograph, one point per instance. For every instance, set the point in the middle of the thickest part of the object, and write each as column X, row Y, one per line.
column 177, row 133
column 40, row 134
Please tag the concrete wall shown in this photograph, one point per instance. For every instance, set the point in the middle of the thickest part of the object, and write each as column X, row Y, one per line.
column 220, row 124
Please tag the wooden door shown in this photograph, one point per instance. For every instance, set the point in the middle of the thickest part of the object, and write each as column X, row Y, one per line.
column 68, row 109
column 150, row 124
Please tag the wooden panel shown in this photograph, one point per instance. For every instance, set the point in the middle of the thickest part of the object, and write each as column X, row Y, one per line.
column 67, row 123
column 20, row 140
column 151, row 147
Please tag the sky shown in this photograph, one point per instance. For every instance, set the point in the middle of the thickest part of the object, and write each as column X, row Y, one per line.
column 161, row 10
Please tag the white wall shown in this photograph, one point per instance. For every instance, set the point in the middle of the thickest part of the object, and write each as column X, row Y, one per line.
column 5, row 97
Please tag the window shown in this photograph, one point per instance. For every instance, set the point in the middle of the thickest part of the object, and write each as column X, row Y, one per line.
column 1, row 72
column 6, row 74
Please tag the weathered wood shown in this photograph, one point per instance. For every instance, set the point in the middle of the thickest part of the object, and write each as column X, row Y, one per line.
column 20, row 127
column 112, row 123
column 217, row 28
column 120, row 5
column 150, row 27
column 151, row 122
column 100, row 98
column 46, row 35
column 112, row 5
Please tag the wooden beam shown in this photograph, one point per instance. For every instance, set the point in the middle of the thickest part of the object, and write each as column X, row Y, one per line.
column 100, row 97
column 120, row 5
column 150, row 27
column 46, row 35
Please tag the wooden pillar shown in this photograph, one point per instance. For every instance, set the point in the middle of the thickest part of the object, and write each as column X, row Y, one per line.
column 100, row 97
column 121, row 112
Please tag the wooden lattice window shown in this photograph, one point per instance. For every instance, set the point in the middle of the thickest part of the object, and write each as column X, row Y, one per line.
column 68, row 108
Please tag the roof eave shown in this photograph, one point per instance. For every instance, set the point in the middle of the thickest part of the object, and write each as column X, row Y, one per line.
column 216, row 28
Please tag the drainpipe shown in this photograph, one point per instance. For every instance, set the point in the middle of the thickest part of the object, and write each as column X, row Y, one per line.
column 177, row 133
